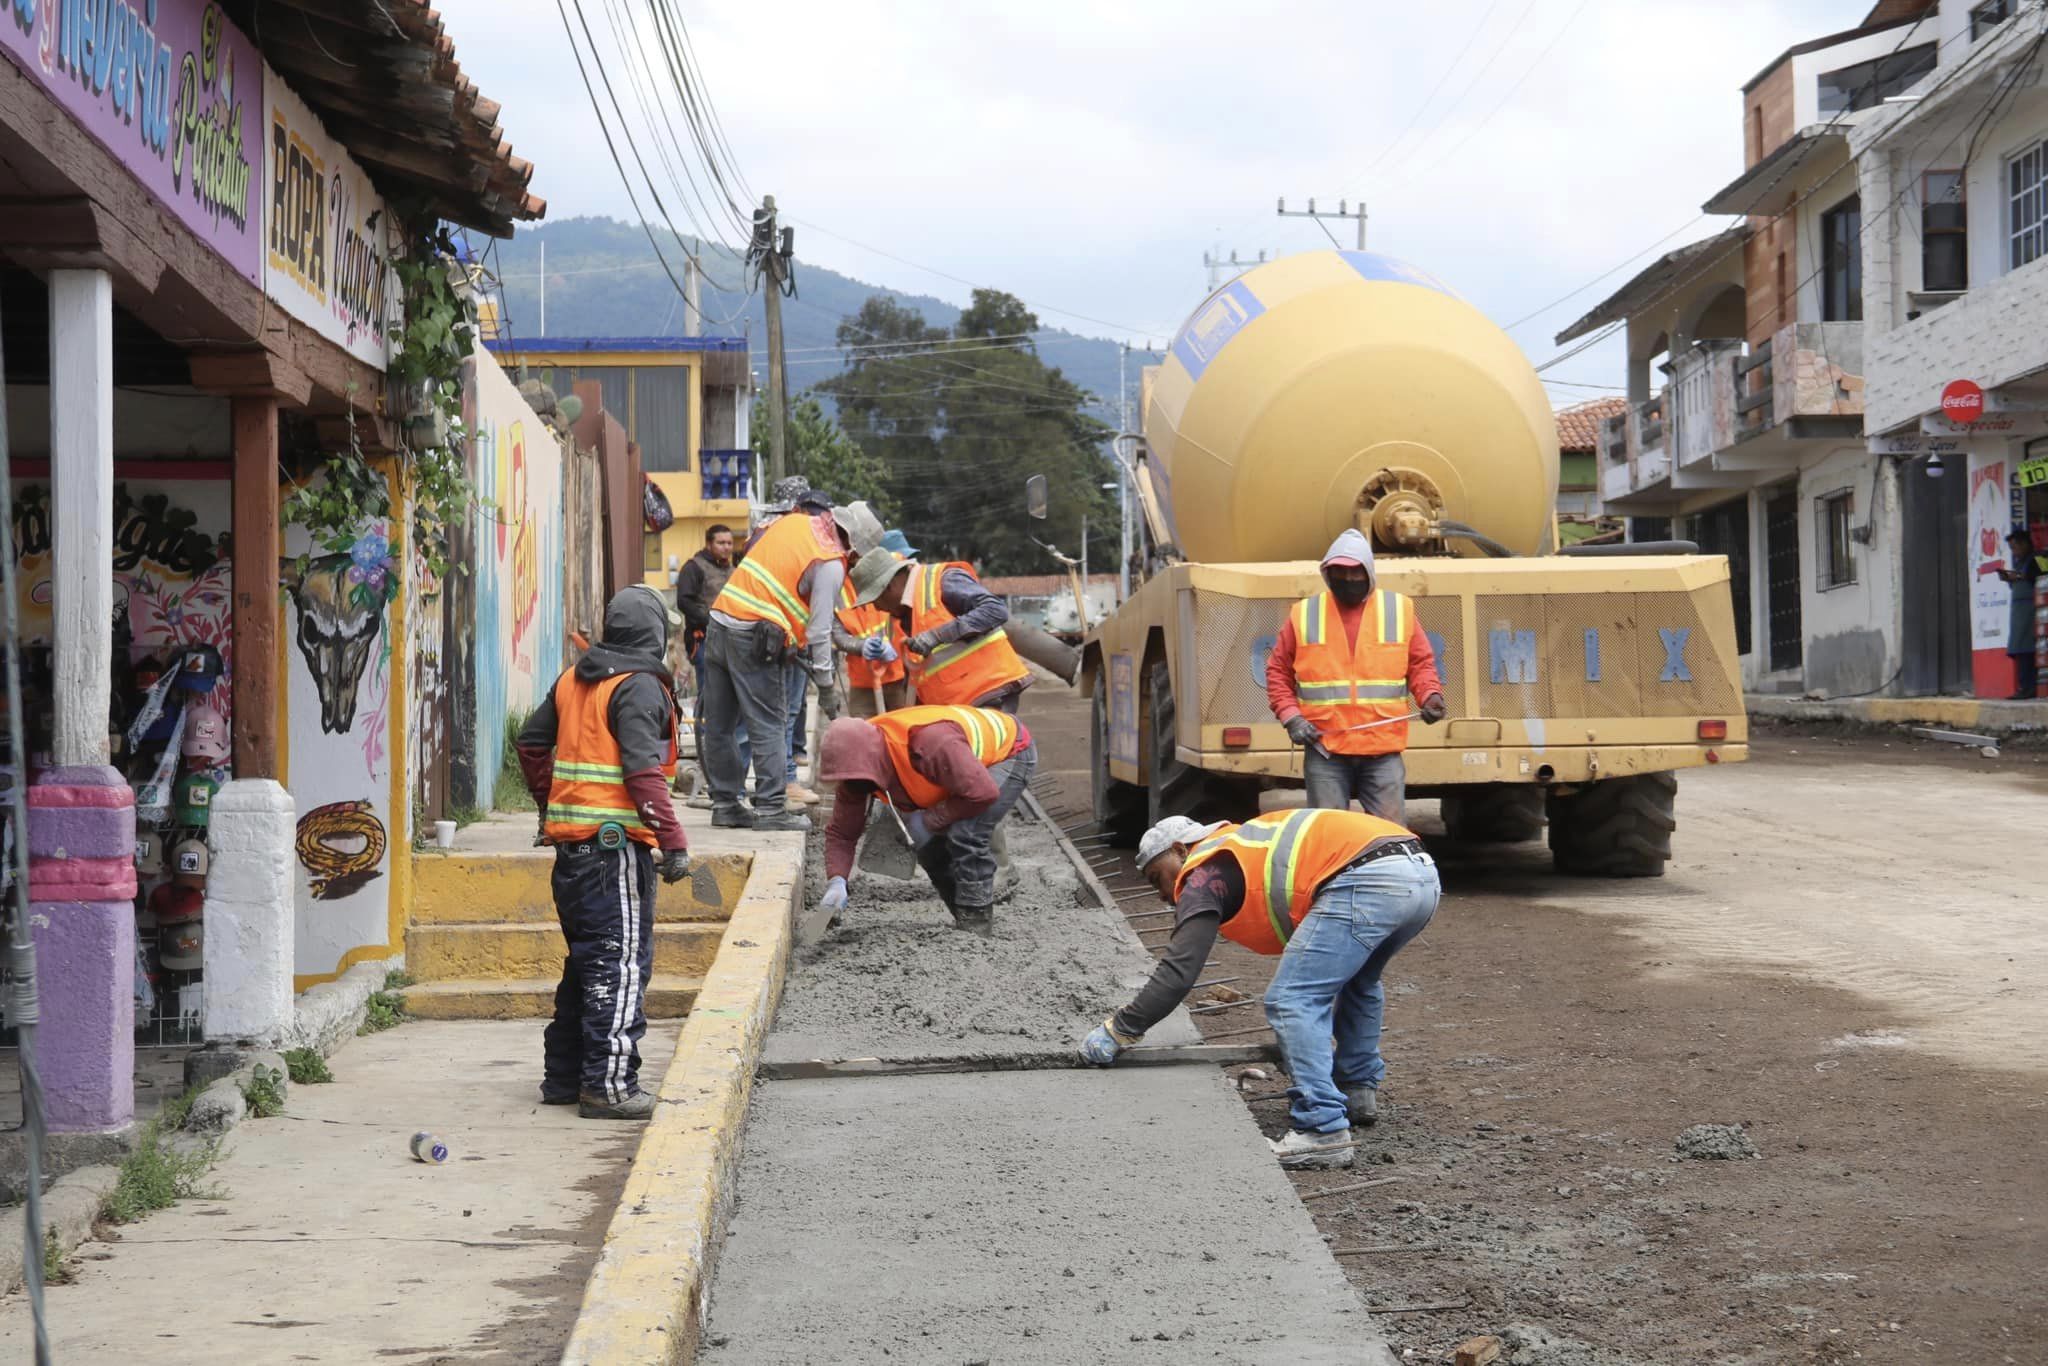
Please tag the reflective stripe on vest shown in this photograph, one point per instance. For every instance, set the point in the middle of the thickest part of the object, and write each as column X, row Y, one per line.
column 1340, row 685
column 991, row 734
column 960, row 671
column 766, row 585
column 1286, row 857
column 589, row 786
column 865, row 623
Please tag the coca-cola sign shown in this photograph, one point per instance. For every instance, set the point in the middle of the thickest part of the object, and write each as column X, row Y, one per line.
column 1962, row 401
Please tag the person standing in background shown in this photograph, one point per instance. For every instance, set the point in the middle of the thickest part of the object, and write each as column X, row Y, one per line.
column 2025, row 568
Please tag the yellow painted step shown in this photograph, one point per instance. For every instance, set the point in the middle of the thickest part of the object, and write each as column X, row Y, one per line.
column 441, row 953
column 669, row 997
column 458, row 888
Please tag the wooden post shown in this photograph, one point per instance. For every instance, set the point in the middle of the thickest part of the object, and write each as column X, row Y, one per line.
column 778, row 383
column 256, row 609
column 82, row 509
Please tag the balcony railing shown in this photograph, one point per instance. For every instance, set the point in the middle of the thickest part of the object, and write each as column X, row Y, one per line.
column 726, row 474
column 1802, row 370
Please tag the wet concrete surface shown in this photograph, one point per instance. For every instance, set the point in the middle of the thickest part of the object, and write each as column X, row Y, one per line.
column 896, row 979
column 1044, row 1217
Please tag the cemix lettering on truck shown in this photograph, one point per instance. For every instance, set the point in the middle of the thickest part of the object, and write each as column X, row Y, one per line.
column 1512, row 656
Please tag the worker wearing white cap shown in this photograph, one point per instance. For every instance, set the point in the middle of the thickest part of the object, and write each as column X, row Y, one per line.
column 1335, row 894
column 1339, row 678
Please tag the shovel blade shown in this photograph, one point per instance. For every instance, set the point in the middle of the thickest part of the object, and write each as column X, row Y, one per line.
column 885, row 851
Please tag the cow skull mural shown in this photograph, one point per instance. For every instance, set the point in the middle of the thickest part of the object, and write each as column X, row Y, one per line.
column 340, row 600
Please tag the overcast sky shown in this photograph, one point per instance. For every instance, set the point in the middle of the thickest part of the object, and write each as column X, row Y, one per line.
column 1084, row 155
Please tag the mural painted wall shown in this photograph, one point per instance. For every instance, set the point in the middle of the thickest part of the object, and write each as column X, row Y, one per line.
column 344, row 620
column 516, row 465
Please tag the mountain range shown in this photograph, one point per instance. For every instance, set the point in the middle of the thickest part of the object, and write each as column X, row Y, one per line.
column 604, row 280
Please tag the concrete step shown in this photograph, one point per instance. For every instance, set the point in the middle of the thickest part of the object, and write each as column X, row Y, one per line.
column 462, row 888
column 669, row 997
column 444, row 953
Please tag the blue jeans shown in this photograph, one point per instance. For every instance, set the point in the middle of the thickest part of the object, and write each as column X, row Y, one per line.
column 1377, row 781
column 1328, row 983
column 798, row 714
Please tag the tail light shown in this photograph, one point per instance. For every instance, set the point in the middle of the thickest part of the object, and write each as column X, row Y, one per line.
column 1237, row 737
column 1713, row 730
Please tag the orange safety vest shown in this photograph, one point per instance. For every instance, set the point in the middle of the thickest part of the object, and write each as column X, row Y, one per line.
column 1341, row 685
column 765, row 585
column 589, row 787
column 1286, row 858
column 962, row 671
column 867, row 622
column 991, row 734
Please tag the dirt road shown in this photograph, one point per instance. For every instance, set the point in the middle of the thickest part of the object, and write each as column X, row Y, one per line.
column 1846, row 958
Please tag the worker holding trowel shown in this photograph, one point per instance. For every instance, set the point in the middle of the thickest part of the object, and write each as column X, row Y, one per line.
column 959, row 652
column 1339, row 678
column 949, row 774
column 872, row 641
column 1336, row 894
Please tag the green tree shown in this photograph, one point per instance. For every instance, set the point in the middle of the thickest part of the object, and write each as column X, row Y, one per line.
column 822, row 453
column 957, row 421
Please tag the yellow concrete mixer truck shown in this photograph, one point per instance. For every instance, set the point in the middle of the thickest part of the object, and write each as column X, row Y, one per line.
column 1341, row 389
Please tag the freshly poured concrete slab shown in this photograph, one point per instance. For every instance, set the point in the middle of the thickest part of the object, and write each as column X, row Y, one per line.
column 1060, row 1217
column 895, row 979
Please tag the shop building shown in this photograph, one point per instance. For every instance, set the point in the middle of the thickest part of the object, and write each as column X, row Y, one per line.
column 200, row 253
column 1785, row 375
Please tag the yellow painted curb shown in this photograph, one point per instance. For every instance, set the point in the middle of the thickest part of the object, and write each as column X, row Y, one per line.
column 467, row 888
column 647, row 1296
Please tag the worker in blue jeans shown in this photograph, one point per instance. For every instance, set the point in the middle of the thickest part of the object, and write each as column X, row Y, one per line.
column 1336, row 894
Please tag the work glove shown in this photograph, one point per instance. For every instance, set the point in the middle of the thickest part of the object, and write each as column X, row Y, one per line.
column 1303, row 732
column 831, row 701
column 834, row 899
column 1434, row 708
column 1104, row 1042
column 540, row 834
column 878, row 649
column 675, row 865
column 920, row 833
column 923, row 643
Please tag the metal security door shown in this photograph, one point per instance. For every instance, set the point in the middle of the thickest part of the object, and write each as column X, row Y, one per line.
column 1781, row 576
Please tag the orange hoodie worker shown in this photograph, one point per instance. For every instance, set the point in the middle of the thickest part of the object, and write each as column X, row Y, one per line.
column 1343, row 667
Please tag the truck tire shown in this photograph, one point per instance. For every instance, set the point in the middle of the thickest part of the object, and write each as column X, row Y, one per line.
column 1494, row 813
column 1617, row 827
column 1178, row 789
column 1119, row 806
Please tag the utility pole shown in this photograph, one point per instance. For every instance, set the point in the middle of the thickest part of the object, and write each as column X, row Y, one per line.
column 1123, row 478
column 772, row 248
column 1343, row 211
column 543, row 286
column 693, row 311
column 1221, row 270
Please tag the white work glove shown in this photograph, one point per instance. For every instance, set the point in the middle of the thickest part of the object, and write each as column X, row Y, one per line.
column 834, row 899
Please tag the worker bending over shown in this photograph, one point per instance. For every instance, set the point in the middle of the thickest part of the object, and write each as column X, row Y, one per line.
column 951, row 773
column 876, row 677
column 959, row 652
column 1335, row 894
column 598, row 754
column 778, row 605
column 1340, row 676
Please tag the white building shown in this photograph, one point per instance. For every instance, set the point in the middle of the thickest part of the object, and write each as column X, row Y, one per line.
column 1749, row 389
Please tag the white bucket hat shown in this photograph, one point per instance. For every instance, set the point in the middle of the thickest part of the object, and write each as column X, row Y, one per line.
column 1171, row 831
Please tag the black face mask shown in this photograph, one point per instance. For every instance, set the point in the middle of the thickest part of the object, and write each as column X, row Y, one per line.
column 1351, row 592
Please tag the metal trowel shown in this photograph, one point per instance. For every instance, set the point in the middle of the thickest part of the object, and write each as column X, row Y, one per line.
column 885, row 847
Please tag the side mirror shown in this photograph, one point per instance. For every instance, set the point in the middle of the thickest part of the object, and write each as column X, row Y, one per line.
column 1036, row 500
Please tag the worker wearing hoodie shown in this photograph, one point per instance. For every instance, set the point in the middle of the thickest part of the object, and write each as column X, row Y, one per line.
column 597, row 755
column 1342, row 670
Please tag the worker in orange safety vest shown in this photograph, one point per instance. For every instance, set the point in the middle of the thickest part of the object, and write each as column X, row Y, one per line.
column 1339, row 678
column 1336, row 894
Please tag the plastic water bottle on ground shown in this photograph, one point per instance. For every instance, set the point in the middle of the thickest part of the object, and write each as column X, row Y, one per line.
column 428, row 1149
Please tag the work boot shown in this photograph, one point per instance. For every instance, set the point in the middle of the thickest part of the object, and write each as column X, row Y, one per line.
column 1299, row 1150
column 799, row 795
column 1364, row 1104
column 732, row 818
column 639, row 1105
column 781, row 820
column 550, row 1096
column 700, row 801
column 979, row 920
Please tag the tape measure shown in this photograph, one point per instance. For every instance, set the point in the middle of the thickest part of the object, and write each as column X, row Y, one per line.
column 611, row 835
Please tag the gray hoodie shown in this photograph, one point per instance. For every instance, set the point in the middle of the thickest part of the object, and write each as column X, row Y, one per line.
column 1352, row 545
column 641, row 713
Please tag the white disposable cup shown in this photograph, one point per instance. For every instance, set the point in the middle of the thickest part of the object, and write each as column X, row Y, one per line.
column 444, row 834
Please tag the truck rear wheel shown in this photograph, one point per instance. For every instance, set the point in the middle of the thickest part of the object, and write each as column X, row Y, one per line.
column 1494, row 813
column 1617, row 827
column 1119, row 806
column 1178, row 789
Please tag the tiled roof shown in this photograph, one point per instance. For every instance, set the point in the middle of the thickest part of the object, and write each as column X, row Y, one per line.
column 1578, row 427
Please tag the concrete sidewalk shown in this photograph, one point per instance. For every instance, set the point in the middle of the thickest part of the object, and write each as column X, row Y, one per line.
column 1955, row 713
column 1062, row 1216
column 329, row 1243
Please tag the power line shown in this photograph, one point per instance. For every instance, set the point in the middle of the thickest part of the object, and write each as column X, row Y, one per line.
column 1530, row 70
column 1408, row 156
column 1435, row 90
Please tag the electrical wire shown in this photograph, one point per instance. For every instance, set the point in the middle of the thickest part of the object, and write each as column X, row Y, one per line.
column 1416, row 113
column 1452, row 155
column 1443, row 121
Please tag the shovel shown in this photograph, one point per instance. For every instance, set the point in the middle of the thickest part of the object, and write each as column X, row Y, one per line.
column 885, row 847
